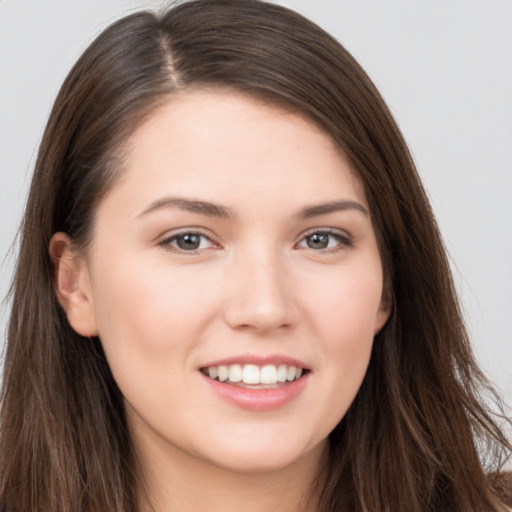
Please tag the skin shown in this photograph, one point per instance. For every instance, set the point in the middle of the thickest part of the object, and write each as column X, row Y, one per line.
column 256, row 285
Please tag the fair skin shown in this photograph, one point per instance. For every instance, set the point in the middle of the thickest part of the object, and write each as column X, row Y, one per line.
column 237, row 235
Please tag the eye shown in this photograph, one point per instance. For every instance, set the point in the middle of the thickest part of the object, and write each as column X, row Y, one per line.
column 325, row 240
column 189, row 241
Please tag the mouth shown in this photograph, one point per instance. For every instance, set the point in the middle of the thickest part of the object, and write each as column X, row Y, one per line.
column 257, row 383
column 252, row 376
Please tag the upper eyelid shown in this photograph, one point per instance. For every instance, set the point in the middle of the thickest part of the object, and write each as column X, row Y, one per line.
column 166, row 239
column 332, row 231
column 185, row 231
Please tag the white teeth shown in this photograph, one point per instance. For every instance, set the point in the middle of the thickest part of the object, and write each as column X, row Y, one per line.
column 251, row 374
column 282, row 372
column 223, row 373
column 269, row 374
column 235, row 373
column 292, row 370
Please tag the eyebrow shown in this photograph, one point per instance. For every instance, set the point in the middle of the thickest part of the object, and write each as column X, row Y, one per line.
column 223, row 212
column 331, row 207
column 191, row 205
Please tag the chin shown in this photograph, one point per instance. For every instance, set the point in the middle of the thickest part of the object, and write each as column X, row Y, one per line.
column 261, row 456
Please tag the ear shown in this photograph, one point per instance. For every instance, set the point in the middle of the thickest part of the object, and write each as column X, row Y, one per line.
column 384, row 311
column 72, row 284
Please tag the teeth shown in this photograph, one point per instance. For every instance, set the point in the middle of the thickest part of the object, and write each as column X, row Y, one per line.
column 235, row 373
column 269, row 374
column 282, row 372
column 253, row 374
column 223, row 373
column 292, row 370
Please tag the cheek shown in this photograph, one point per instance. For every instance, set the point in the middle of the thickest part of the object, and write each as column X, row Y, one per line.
column 345, row 307
column 154, row 318
column 344, row 316
column 149, row 325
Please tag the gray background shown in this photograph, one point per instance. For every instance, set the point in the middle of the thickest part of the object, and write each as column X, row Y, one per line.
column 444, row 67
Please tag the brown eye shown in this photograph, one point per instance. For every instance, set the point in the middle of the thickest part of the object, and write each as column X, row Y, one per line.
column 318, row 240
column 325, row 241
column 187, row 242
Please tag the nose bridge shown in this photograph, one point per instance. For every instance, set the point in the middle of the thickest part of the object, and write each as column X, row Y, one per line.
column 260, row 295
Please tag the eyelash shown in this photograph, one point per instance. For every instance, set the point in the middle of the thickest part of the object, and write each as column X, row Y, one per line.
column 344, row 241
column 167, row 243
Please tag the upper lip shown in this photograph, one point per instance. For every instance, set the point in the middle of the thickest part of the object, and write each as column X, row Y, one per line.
column 275, row 359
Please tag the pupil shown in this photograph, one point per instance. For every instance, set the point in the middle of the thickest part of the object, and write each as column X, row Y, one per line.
column 189, row 241
column 318, row 241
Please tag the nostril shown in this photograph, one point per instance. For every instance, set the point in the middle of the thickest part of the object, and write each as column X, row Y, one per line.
column 258, row 295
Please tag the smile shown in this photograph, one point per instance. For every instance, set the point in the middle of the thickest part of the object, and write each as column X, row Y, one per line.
column 256, row 383
column 253, row 375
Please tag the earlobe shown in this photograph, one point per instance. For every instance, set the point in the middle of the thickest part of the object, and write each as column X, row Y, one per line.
column 72, row 285
column 384, row 312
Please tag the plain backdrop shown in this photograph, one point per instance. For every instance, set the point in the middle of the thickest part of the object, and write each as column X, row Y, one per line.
column 443, row 66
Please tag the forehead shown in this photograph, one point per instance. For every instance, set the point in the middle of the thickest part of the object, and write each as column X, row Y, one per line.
column 212, row 143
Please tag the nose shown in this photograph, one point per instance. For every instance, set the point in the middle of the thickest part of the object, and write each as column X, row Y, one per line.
column 260, row 296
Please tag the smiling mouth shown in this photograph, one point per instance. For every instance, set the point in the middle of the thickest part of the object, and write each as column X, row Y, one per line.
column 253, row 376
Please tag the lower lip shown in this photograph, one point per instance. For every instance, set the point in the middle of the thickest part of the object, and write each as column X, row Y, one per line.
column 258, row 399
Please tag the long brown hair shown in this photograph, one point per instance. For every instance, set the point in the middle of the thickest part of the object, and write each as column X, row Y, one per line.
column 418, row 437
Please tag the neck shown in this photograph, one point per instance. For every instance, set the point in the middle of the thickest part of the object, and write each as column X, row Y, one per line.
column 175, row 481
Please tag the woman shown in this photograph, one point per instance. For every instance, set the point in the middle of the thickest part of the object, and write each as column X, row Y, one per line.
column 231, row 291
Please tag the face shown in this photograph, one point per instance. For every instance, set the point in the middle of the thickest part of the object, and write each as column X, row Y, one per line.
column 235, row 283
